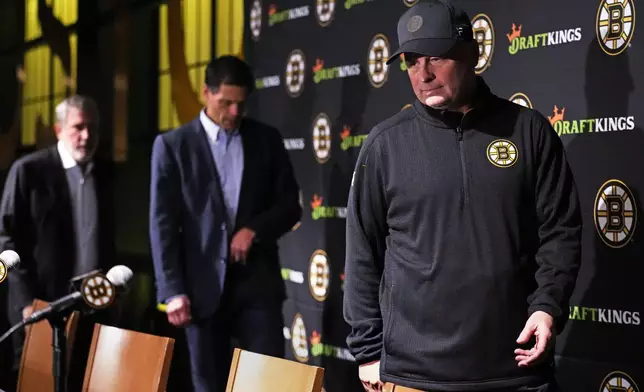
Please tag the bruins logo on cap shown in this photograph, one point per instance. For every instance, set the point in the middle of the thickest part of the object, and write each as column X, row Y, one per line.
column 415, row 23
column 502, row 153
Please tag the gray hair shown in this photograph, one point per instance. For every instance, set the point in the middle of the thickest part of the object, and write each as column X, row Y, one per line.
column 80, row 102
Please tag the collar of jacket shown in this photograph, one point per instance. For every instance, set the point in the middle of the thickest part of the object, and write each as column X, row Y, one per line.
column 483, row 102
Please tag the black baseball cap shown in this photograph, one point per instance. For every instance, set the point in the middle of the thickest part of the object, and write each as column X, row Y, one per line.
column 432, row 28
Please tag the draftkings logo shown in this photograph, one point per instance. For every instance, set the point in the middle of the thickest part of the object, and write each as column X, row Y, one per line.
column 319, row 275
column 606, row 316
column 289, row 275
column 352, row 3
column 484, row 34
column 615, row 213
column 343, row 71
column 295, row 73
column 267, row 82
column 521, row 99
column 350, row 141
column 379, row 51
column 618, row 382
column 299, row 341
column 318, row 211
column 560, row 37
column 322, row 138
column 590, row 125
column 294, row 144
column 615, row 25
column 275, row 16
column 324, row 11
column 320, row 349
column 256, row 19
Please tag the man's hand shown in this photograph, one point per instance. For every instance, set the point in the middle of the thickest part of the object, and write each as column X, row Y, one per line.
column 241, row 243
column 178, row 311
column 369, row 374
column 540, row 324
column 27, row 311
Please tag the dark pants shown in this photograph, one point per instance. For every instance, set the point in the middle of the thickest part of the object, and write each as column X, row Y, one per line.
column 255, row 324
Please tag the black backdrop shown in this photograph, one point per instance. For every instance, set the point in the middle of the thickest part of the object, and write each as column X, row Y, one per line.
column 322, row 82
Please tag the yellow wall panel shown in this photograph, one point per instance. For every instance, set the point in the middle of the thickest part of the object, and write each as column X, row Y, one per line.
column 32, row 25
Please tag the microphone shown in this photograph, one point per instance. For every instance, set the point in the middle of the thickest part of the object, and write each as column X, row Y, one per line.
column 96, row 290
column 8, row 260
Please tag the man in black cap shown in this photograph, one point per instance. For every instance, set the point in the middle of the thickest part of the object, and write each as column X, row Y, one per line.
column 463, row 228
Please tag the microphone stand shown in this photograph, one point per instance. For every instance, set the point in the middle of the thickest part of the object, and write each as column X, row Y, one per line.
column 59, row 343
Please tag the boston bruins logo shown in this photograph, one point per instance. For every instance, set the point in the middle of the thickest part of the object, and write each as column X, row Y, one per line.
column 409, row 3
column 295, row 73
column 324, row 11
column 618, row 382
column 615, row 25
column 298, row 339
column 502, row 153
column 319, row 275
column 615, row 213
column 484, row 34
column 98, row 291
column 377, row 57
column 407, row 106
column 3, row 271
column 256, row 19
column 322, row 138
column 521, row 99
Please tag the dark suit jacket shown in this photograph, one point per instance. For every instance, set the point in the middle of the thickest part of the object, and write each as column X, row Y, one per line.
column 187, row 215
column 36, row 221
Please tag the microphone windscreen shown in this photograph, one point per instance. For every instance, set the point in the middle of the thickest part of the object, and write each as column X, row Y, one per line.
column 119, row 275
column 10, row 258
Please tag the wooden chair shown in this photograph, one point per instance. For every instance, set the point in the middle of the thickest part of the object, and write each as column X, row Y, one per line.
column 121, row 360
column 251, row 372
column 35, row 373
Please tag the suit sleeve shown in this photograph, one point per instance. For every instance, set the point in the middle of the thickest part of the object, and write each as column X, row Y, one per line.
column 165, row 222
column 285, row 210
column 16, row 234
column 364, row 264
column 559, row 217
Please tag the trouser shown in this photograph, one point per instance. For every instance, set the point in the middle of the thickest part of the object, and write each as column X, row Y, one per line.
column 256, row 325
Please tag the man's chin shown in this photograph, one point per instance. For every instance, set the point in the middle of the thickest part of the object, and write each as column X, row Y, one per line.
column 436, row 102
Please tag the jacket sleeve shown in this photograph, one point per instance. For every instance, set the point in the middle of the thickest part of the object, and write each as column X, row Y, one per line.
column 285, row 210
column 365, row 250
column 557, row 209
column 16, row 234
column 165, row 222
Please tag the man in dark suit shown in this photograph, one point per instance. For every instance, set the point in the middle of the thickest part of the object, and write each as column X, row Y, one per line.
column 222, row 193
column 56, row 214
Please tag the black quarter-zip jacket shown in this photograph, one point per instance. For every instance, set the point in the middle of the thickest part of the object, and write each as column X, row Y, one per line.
column 459, row 227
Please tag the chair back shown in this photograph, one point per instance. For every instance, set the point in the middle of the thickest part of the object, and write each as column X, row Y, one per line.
column 261, row 373
column 36, row 364
column 122, row 360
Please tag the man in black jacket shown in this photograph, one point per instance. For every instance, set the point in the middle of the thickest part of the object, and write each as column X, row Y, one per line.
column 463, row 228
column 56, row 213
